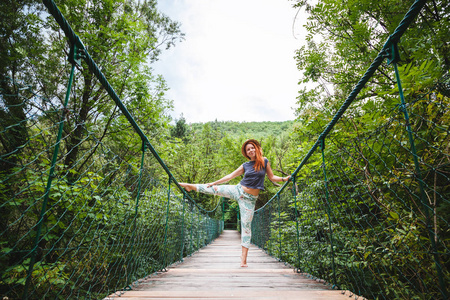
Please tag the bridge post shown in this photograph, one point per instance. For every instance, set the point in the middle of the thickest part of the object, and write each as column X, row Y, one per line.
column 322, row 146
column 182, row 228
column 394, row 57
column 136, row 209
column 190, row 239
column 166, row 227
column 198, row 229
column 205, row 230
column 223, row 213
column 74, row 59
column 238, row 221
column 279, row 228
column 270, row 245
column 297, row 215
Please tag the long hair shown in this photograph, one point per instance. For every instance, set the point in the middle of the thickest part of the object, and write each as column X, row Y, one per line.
column 259, row 159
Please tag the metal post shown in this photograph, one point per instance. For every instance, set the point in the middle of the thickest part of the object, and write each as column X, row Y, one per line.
column 141, row 169
column 206, row 237
column 74, row 59
column 167, row 223
column 270, row 232
column 190, row 240
column 393, row 58
column 294, row 194
column 198, row 231
column 279, row 228
column 182, row 228
column 329, row 211
column 223, row 213
column 238, row 221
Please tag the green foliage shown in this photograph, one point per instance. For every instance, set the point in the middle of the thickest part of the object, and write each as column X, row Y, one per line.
column 372, row 233
column 212, row 150
column 382, row 231
column 97, row 234
column 246, row 130
column 95, row 226
column 181, row 130
column 109, row 221
column 343, row 39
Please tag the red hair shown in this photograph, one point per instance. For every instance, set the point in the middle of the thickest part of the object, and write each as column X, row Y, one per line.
column 259, row 159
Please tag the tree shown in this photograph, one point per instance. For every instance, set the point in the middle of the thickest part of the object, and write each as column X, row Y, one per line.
column 98, row 145
column 345, row 36
column 122, row 37
column 371, row 176
column 20, row 46
column 181, row 129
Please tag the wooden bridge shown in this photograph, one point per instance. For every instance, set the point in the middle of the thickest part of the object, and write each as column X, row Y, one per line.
column 214, row 272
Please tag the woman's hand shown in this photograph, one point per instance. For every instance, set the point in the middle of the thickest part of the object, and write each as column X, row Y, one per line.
column 285, row 178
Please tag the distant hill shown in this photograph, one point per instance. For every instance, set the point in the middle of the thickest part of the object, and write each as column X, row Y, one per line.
column 256, row 130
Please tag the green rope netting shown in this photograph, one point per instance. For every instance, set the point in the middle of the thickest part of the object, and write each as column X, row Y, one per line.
column 366, row 228
column 85, row 214
column 105, row 225
column 107, row 222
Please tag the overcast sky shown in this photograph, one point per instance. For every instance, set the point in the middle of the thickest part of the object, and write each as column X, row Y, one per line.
column 236, row 63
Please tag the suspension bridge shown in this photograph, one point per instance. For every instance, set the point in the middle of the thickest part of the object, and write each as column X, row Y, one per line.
column 215, row 273
column 363, row 217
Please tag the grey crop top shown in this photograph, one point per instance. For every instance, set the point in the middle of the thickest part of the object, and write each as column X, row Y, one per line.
column 253, row 179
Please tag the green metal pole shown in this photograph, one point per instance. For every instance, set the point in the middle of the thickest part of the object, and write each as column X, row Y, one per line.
column 198, row 231
column 205, row 230
column 279, row 227
column 270, row 232
column 238, row 227
column 136, row 210
column 73, row 58
column 329, row 211
column 190, row 240
column 223, row 213
column 394, row 58
column 294, row 194
column 182, row 229
column 167, row 224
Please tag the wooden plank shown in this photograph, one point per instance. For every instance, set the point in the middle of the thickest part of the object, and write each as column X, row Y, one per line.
column 237, row 294
column 214, row 272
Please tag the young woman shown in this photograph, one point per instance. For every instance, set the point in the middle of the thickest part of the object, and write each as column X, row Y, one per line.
column 246, row 192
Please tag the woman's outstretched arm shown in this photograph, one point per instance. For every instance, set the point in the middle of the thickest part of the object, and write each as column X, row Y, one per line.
column 239, row 171
column 273, row 177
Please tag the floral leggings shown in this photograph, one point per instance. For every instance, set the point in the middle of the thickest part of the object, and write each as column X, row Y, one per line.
column 246, row 203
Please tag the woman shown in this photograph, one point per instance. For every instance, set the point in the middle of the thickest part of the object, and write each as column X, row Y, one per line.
column 246, row 192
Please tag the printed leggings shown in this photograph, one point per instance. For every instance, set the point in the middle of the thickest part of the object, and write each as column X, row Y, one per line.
column 246, row 203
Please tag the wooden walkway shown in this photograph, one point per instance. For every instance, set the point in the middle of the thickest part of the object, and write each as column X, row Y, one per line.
column 214, row 272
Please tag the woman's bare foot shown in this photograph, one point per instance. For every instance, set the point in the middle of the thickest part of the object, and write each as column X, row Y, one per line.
column 243, row 263
column 244, row 257
column 188, row 186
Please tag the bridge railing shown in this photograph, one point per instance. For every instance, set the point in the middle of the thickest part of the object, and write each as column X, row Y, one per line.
column 87, row 227
column 367, row 211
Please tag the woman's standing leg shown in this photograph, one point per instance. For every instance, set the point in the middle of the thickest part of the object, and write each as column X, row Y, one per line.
column 247, row 209
column 244, row 257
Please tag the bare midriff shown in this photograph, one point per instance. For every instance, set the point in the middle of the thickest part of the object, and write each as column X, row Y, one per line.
column 254, row 192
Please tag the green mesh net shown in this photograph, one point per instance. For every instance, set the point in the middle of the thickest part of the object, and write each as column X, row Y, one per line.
column 371, row 223
column 107, row 222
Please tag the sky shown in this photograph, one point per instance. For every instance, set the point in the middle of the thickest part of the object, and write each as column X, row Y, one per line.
column 236, row 62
